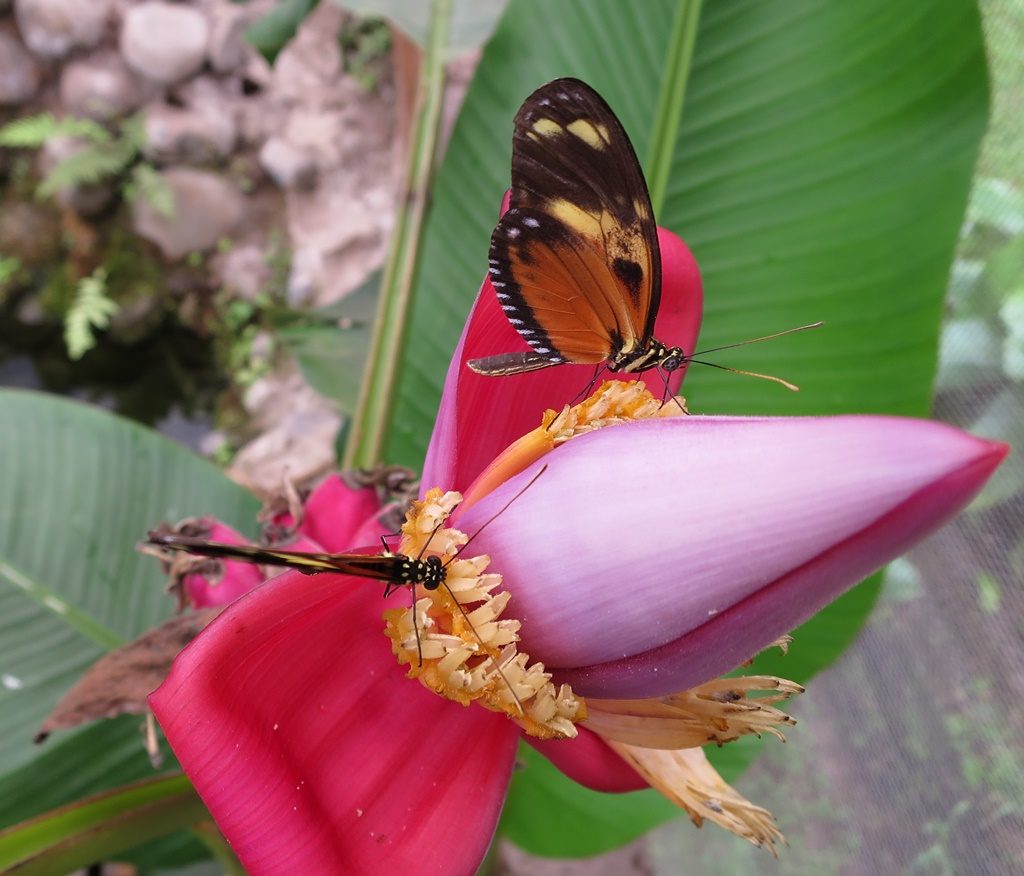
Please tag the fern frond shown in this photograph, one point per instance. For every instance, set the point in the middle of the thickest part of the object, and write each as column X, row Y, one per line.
column 92, row 165
column 146, row 183
column 91, row 309
column 9, row 267
column 133, row 131
column 85, row 129
column 30, row 132
column 33, row 131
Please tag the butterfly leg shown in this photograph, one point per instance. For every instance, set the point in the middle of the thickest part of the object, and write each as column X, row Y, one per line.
column 589, row 388
column 416, row 626
column 668, row 390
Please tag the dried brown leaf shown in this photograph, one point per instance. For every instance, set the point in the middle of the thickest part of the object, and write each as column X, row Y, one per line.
column 119, row 682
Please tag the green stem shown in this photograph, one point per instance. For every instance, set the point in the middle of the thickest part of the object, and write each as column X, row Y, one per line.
column 671, row 97
column 101, row 826
column 372, row 418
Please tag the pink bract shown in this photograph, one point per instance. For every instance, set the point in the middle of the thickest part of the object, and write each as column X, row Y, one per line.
column 313, row 751
column 654, row 556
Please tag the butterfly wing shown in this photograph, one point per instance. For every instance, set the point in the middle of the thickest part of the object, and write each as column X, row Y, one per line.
column 574, row 260
column 382, row 567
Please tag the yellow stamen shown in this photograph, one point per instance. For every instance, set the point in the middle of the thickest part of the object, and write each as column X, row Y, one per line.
column 468, row 651
column 613, row 403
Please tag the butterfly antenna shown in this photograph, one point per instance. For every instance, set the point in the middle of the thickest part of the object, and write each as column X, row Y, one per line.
column 462, row 611
column 497, row 666
column 790, row 386
column 412, row 587
column 792, row 331
column 497, row 514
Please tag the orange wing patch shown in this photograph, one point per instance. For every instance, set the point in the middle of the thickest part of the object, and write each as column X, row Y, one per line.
column 575, row 260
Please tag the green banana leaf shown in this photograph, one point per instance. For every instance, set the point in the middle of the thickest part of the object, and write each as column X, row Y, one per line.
column 80, row 488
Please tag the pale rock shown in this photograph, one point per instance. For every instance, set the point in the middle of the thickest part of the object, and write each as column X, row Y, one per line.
column 304, row 277
column 200, row 127
column 212, row 442
column 100, row 87
column 52, row 28
column 227, row 49
column 301, row 449
column 192, row 135
column 165, row 42
column 207, row 208
column 257, row 71
column 260, row 114
column 19, row 75
column 339, row 226
column 301, row 432
column 309, row 66
column 339, row 230
column 242, row 270
column 288, row 165
column 208, row 91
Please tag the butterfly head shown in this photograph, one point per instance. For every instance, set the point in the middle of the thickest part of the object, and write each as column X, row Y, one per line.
column 654, row 355
column 432, row 573
column 671, row 358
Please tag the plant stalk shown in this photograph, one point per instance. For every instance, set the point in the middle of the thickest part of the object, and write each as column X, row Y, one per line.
column 372, row 418
column 671, row 97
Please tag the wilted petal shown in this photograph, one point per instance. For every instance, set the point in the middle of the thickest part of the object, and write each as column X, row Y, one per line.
column 671, row 550
column 313, row 751
column 686, row 777
column 480, row 416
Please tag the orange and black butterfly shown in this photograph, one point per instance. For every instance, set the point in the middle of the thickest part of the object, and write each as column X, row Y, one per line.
column 574, row 261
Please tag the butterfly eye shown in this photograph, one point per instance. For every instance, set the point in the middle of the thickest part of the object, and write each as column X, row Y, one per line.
column 672, row 359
